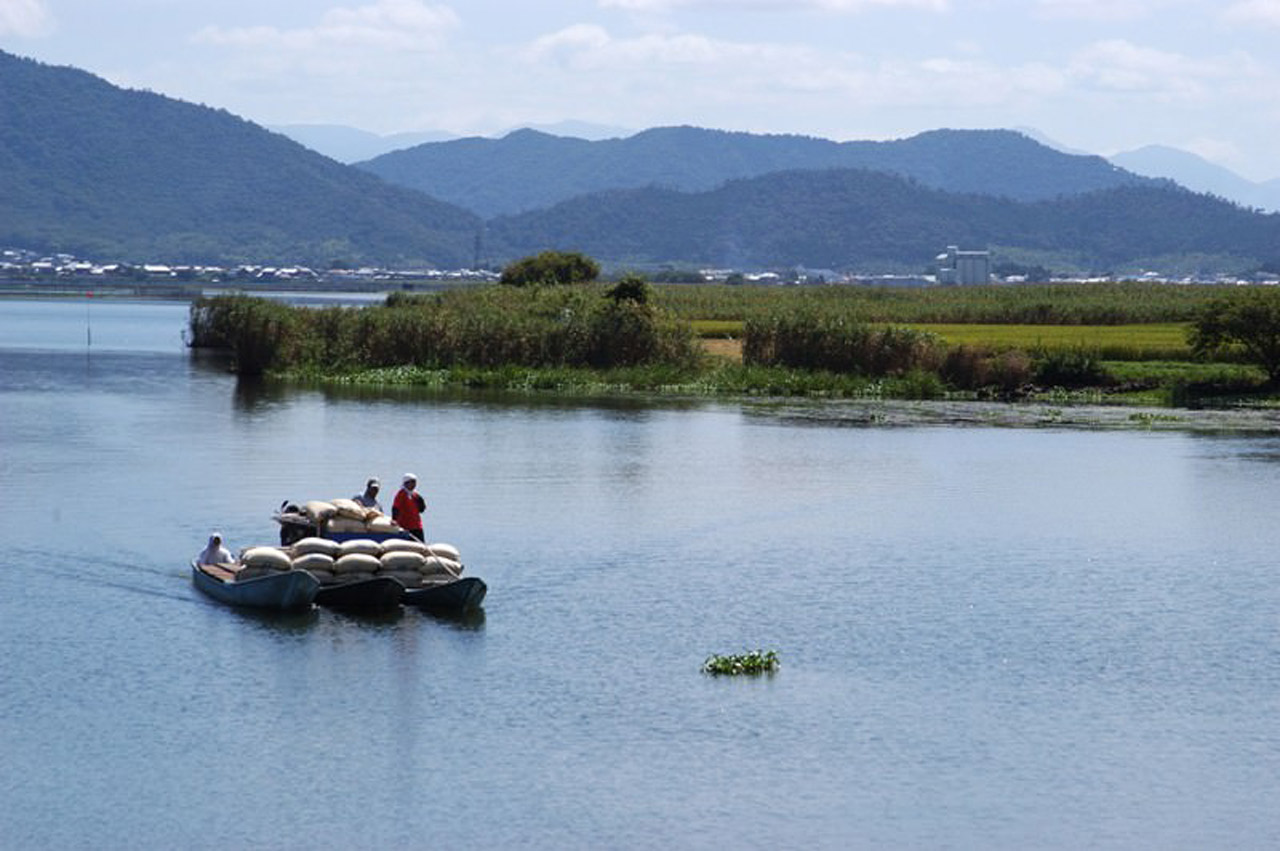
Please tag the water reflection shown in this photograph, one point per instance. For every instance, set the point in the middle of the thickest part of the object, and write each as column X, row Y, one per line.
column 277, row 623
column 375, row 621
column 507, row 400
column 256, row 395
column 211, row 361
column 469, row 621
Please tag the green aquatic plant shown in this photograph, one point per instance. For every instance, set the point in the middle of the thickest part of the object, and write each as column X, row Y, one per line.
column 1148, row 419
column 755, row 662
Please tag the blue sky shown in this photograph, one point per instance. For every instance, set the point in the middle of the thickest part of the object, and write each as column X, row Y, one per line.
column 1095, row 75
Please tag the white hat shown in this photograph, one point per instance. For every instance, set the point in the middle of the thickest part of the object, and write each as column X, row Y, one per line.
column 373, row 482
column 409, row 477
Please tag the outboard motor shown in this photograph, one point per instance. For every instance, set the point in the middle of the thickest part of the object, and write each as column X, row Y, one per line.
column 294, row 524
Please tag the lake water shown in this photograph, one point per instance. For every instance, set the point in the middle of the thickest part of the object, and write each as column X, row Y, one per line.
column 990, row 637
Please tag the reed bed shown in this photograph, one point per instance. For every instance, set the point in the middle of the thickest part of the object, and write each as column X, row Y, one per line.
column 481, row 327
column 836, row 342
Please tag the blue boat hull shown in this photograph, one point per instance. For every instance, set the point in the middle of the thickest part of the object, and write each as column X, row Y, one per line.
column 460, row 595
column 288, row 591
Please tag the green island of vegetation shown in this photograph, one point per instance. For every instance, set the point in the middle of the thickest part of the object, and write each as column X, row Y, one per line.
column 553, row 326
column 754, row 662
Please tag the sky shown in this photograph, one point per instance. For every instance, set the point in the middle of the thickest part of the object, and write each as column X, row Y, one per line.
column 1097, row 76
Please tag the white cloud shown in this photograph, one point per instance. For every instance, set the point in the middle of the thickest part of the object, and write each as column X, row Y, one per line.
column 385, row 24
column 1117, row 65
column 587, row 46
column 1097, row 10
column 1248, row 12
column 773, row 5
column 775, row 75
column 24, row 18
column 1213, row 149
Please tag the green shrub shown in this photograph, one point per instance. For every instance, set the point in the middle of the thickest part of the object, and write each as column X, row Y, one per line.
column 630, row 287
column 1247, row 320
column 918, row 384
column 260, row 334
column 550, row 268
column 1070, row 369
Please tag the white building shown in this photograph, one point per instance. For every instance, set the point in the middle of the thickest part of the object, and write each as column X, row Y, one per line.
column 964, row 267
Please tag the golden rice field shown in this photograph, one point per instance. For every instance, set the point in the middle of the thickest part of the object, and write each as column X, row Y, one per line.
column 1156, row 341
column 1166, row 341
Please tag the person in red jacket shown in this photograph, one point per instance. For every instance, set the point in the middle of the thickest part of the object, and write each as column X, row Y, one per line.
column 407, row 508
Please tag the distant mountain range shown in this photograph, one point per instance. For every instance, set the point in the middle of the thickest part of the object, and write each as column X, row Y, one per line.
column 113, row 174
column 351, row 145
column 528, row 170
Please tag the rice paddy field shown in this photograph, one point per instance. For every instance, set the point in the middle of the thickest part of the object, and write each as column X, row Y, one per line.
column 1136, row 335
column 1128, row 303
column 1155, row 341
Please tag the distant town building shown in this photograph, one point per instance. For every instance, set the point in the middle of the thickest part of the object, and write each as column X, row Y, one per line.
column 964, row 267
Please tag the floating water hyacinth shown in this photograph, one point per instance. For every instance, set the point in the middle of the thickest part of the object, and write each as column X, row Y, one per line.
column 755, row 662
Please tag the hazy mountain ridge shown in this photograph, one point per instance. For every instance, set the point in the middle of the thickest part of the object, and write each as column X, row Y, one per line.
column 89, row 168
column 350, row 144
column 1200, row 175
column 527, row 170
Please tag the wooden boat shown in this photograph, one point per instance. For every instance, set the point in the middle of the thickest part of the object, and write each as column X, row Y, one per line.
column 366, row 595
column 284, row 591
column 457, row 595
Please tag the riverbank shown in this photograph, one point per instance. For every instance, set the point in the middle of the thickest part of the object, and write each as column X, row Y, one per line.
column 803, row 399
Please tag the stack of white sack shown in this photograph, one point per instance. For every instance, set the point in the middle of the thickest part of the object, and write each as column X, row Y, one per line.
column 263, row 561
column 316, row 556
column 346, row 517
column 411, row 562
column 416, row 564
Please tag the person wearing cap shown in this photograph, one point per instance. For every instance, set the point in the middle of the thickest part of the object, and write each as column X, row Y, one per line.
column 407, row 508
column 215, row 552
column 369, row 499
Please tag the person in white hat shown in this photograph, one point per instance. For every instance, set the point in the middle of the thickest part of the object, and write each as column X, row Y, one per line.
column 407, row 508
column 215, row 552
column 369, row 499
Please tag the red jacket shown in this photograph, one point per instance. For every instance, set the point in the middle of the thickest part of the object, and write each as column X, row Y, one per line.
column 407, row 509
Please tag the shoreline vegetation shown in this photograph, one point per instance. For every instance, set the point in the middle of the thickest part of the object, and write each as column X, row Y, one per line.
column 1129, row 344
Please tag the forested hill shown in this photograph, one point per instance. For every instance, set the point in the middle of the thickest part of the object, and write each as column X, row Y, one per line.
column 527, row 170
column 858, row 219
column 99, row 171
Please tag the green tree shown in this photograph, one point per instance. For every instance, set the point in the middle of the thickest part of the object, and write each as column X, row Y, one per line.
column 630, row 287
column 1246, row 319
column 551, row 267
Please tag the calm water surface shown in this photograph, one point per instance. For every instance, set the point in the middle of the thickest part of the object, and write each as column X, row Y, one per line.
column 991, row 638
